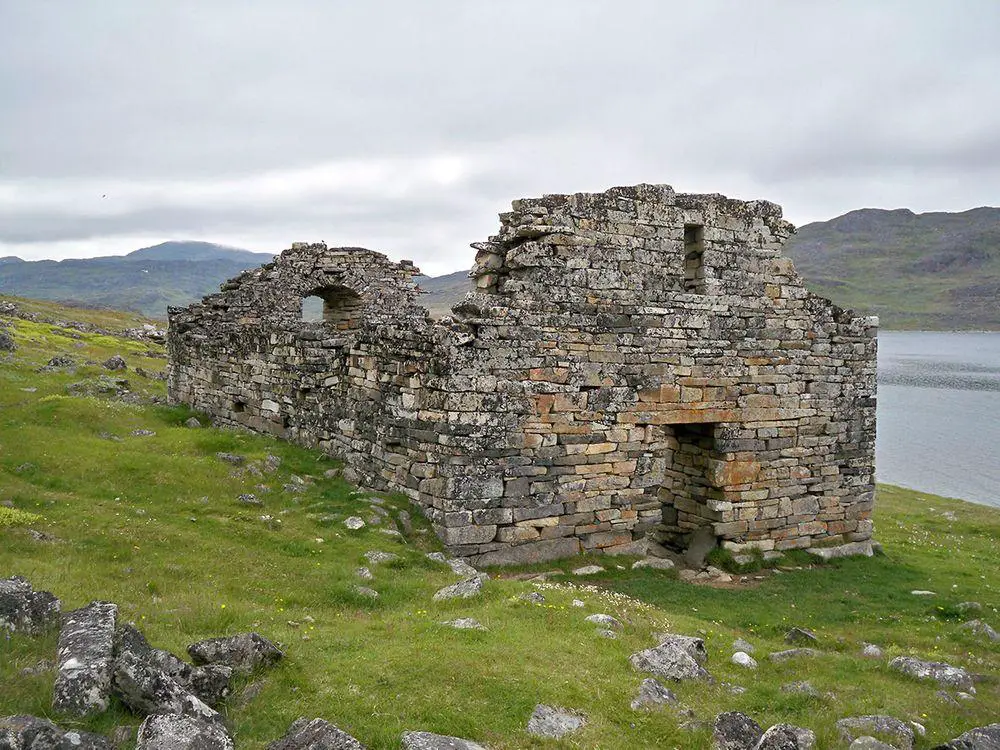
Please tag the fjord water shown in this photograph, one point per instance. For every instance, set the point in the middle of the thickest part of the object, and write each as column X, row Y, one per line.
column 939, row 413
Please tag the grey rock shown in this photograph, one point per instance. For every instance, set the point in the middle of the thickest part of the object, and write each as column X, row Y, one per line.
column 23, row 732
column 85, row 655
column 869, row 743
column 676, row 658
column 24, row 610
column 787, row 737
column 354, row 523
column 653, row 695
column 801, row 636
column 733, row 730
column 605, row 620
column 465, row 623
column 466, row 589
column 741, row 645
column 966, row 608
column 192, row 422
column 534, row 597
column 143, row 433
column 882, row 727
column 656, row 563
column 429, row 741
column 7, row 343
column 871, row 651
column 743, row 659
column 123, row 736
column 116, row 362
column 793, row 653
column 606, row 633
column 146, row 689
column 850, row 549
column 942, row 673
column 367, row 592
column 182, row 732
column 801, row 688
column 244, row 652
column 248, row 498
column 554, row 722
column 364, row 574
column 461, row 568
column 980, row 738
column 980, row 628
column 588, row 570
column 317, row 734
column 231, row 458
column 405, row 522
column 376, row 557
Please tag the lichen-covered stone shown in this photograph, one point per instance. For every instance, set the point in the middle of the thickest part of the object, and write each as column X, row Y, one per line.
column 881, row 727
column 24, row 610
column 554, row 722
column 980, row 738
column 652, row 695
column 317, row 734
column 182, row 732
column 632, row 363
column 676, row 658
column 31, row 733
column 940, row 672
column 146, row 689
column 85, row 654
column 243, row 652
column 734, row 730
column 429, row 741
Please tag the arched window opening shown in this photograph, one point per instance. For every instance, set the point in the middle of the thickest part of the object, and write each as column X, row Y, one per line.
column 337, row 306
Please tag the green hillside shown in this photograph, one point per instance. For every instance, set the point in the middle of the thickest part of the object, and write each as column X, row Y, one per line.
column 106, row 494
column 934, row 271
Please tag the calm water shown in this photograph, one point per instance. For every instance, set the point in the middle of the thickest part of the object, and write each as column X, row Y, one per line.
column 939, row 413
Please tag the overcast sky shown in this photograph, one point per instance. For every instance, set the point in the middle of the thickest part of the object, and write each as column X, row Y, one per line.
column 407, row 126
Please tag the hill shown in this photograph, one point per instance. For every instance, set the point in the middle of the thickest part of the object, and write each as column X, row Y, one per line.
column 933, row 271
column 105, row 493
column 146, row 280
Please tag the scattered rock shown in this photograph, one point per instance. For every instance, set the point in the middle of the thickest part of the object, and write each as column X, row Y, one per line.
column 534, row 597
column 652, row 695
column 317, row 734
column 980, row 628
column 871, row 651
column 743, row 659
column 428, row 741
column 244, row 652
column 32, row 733
column 466, row 589
column 741, row 645
column 193, row 422
column 143, row 433
column 354, row 523
column 801, row 636
column 733, row 730
column 85, row 655
column 787, row 737
column 117, row 362
column 588, row 570
column 801, row 688
column 881, row 727
column 578, row 603
column 980, row 738
column 366, row 592
column 656, row 563
column 944, row 674
column 605, row 633
column 248, row 498
column 922, row 592
column 605, row 620
column 364, row 574
column 376, row 557
column 793, row 653
column 966, row 608
column 147, row 689
column 39, row 667
column 7, row 342
column 461, row 568
column 465, row 623
column 676, row 658
column 231, row 458
column 58, row 362
column 181, row 732
column 554, row 722
column 24, row 610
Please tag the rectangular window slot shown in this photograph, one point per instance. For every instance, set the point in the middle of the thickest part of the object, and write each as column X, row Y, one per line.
column 239, row 406
column 694, row 265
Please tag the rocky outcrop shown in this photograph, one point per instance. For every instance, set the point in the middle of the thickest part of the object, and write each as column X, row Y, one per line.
column 243, row 653
column 942, row 673
column 24, row 610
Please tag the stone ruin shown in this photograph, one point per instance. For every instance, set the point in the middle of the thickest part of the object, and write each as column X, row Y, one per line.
column 632, row 365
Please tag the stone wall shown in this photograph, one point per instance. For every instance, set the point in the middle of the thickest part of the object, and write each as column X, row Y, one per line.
column 632, row 363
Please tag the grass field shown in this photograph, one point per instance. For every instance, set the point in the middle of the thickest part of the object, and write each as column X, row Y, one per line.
column 152, row 522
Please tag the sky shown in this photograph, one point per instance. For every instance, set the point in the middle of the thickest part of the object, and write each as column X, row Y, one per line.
column 407, row 126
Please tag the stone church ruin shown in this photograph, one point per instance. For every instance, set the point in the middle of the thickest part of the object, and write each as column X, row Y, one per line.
column 635, row 364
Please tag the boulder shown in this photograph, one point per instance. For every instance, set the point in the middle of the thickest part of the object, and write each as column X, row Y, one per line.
column 7, row 343
column 461, row 568
column 652, row 695
column 148, row 690
column 980, row 738
column 606, row 621
column 24, row 610
column 534, row 597
column 980, row 628
column 428, row 741
column 466, row 589
column 85, row 655
column 317, row 734
column 677, row 657
column 244, row 652
column 31, row 733
column 117, row 362
column 882, row 727
column 871, row 651
column 787, row 737
column 801, row 636
column 182, row 732
column 942, row 673
column 553, row 722
column 733, row 730
column 743, row 659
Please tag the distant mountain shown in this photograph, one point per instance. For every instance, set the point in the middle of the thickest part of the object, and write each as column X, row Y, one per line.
column 10, row 259
column 441, row 292
column 935, row 271
column 146, row 281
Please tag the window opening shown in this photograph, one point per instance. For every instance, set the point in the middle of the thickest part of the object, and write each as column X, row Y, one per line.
column 694, row 266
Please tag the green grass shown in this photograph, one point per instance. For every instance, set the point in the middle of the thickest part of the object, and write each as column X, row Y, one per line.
column 152, row 523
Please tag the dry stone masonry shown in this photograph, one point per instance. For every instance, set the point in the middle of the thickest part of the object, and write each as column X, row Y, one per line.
column 632, row 364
